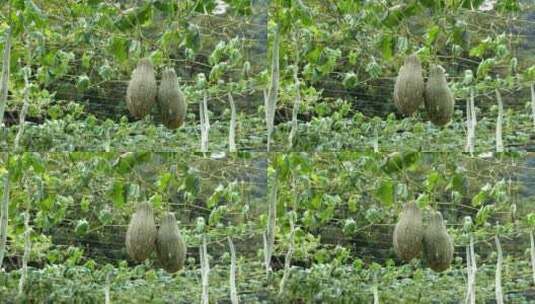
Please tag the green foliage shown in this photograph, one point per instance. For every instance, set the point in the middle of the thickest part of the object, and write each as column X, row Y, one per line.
column 342, row 198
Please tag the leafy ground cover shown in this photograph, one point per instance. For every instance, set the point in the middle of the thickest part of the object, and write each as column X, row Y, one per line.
column 335, row 213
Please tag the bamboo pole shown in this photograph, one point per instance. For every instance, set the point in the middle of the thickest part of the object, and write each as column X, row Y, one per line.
column 27, row 250
column 532, row 239
column 205, row 122
column 205, row 271
column 288, row 258
column 269, row 234
column 4, row 218
column 232, row 278
column 4, row 82
column 499, row 292
column 270, row 98
column 232, row 126
column 499, row 123
column 533, row 102
column 297, row 105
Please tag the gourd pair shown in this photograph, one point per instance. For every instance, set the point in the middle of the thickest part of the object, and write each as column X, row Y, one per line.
column 411, row 237
column 142, row 93
column 410, row 91
column 142, row 237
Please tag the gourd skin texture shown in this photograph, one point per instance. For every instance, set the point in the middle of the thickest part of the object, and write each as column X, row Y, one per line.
column 142, row 89
column 409, row 87
column 438, row 246
column 141, row 233
column 439, row 101
column 408, row 233
column 171, row 249
column 173, row 106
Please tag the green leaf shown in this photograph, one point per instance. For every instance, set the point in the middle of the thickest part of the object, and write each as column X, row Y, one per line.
column 135, row 16
column 192, row 39
column 215, row 198
column 83, row 82
column 118, row 194
column 472, row 4
column 170, row 38
column 479, row 50
column 400, row 161
column 119, row 48
column 385, row 192
column 531, row 219
column 105, row 216
column 479, row 198
column 33, row 13
column 203, row 6
column 82, row 226
column 315, row 202
column 387, row 46
column 484, row 214
column 350, row 80
column 458, row 183
column 163, row 181
column 352, row 203
column 217, row 214
column 47, row 203
column 432, row 181
column 191, row 183
column 166, row 7
column 156, row 201
column 507, row 6
column 84, row 204
column 432, row 34
column 35, row 161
